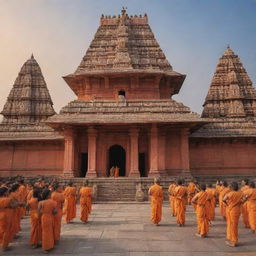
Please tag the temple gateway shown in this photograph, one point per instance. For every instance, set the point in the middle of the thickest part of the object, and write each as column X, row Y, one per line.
column 123, row 114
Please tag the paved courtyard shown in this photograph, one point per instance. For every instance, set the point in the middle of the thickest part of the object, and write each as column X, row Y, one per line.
column 124, row 229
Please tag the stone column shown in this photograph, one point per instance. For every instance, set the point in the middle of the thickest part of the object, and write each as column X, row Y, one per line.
column 69, row 153
column 134, row 156
column 184, row 150
column 92, row 147
column 153, row 170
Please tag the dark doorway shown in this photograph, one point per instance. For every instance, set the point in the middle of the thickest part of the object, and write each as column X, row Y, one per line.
column 142, row 164
column 84, row 164
column 117, row 158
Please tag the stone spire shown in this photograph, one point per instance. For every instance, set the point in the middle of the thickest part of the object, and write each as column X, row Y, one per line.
column 29, row 100
column 230, row 105
column 231, row 93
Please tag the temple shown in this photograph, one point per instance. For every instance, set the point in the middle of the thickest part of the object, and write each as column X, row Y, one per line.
column 124, row 115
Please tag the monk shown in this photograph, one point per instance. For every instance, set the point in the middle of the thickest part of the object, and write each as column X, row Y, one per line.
column 245, row 214
column 36, row 231
column 16, row 216
column 223, row 192
column 116, row 173
column 156, row 194
column 6, row 203
column 23, row 195
column 180, row 194
column 233, row 200
column 59, row 198
column 85, row 194
column 112, row 171
column 191, row 191
column 47, row 210
column 250, row 197
column 172, row 198
column 70, row 202
column 200, row 199
column 211, row 202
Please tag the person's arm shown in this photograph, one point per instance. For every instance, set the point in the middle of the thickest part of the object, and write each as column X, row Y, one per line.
column 225, row 198
column 194, row 199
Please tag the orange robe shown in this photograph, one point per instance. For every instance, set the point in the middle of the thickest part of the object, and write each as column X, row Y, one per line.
column 223, row 192
column 59, row 199
column 116, row 174
column 251, row 206
column 191, row 191
column 35, row 232
column 244, row 206
column 23, row 194
column 70, row 203
column 16, row 216
column 201, row 213
column 5, row 221
column 233, row 214
column 156, row 193
column 172, row 198
column 47, row 220
column 211, row 203
column 85, row 203
column 180, row 199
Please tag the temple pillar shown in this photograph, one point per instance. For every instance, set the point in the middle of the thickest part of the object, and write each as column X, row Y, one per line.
column 184, row 150
column 69, row 153
column 134, row 156
column 92, row 147
column 153, row 134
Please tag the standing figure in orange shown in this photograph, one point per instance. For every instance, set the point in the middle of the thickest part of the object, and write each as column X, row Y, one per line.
column 233, row 201
column 85, row 194
column 245, row 187
column 172, row 198
column 191, row 191
column 200, row 199
column 116, row 174
column 70, row 202
column 59, row 198
column 180, row 193
column 47, row 210
column 36, row 231
column 23, row 197
column 6, row 203
column 223, row 192
column 251, row 205
column 156, row 194
column 211, row 202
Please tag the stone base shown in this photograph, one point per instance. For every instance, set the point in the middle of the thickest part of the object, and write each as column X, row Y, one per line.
column 68, row 174
column 134, row 174
column 91, row 174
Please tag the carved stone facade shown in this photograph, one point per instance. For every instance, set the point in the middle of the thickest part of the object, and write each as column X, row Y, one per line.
column 124, row 114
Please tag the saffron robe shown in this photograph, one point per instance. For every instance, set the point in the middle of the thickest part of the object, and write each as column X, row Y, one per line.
column 211, row 203
column 244, row 206
column 233, row 213
column 180, row 193
column 251, row 206
column 172, row 198
column 201, row 213
column 85, row 203
column 59, row 199
column 191, row 191
column 223, row 192
column 156, row 193
column 70, row 203
column 36, row 231
column 5, row 221
column 47, row 220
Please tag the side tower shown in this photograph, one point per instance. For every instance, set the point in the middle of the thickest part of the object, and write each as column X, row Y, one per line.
column 124, row 114
column 227, row 145
column 25, row 141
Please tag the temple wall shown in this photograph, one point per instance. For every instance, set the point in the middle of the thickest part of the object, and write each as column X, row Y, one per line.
column 219, row 157
column 31, row 158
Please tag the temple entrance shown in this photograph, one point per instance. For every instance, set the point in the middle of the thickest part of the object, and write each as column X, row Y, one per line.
column 84, row 164
column 117, row 157
column 142, row 164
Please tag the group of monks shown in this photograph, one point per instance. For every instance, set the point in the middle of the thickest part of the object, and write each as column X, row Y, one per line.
column 232, row 202
column 114, row 172
column 45, row 203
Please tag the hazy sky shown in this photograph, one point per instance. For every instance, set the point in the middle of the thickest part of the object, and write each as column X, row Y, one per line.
column 192, row 33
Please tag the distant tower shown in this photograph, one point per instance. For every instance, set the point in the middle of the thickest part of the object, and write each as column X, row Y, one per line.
column 29, row 100
column 231, row 100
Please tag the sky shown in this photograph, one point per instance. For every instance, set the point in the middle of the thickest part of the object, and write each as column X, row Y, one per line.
column 192, row 33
